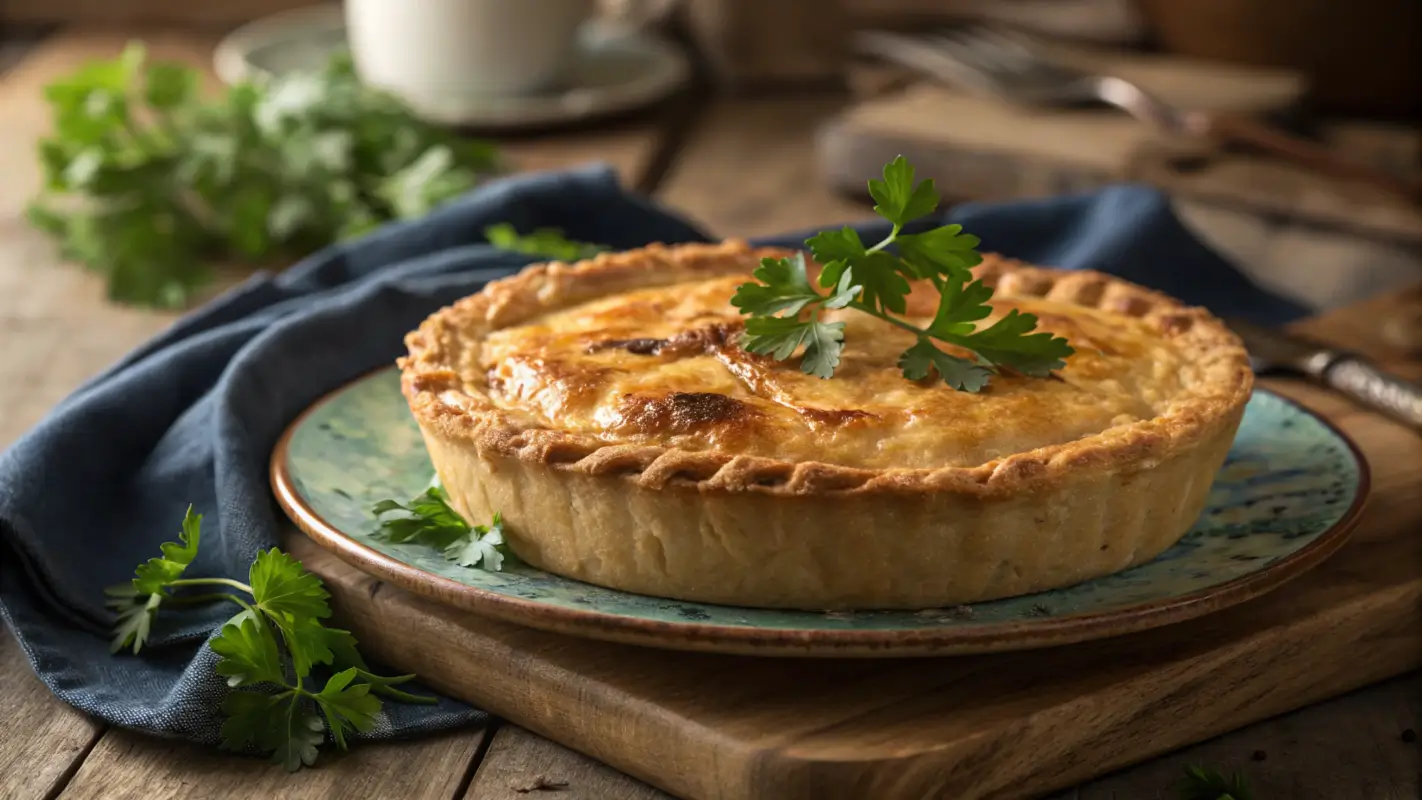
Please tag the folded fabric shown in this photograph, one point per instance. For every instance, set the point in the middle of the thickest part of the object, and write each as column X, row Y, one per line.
column 192, row 416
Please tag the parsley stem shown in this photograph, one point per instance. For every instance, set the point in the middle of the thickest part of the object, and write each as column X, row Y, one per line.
column 248, row 606
column 888, row 240
column 874, row 312
column 213, row 582
column 195, row 599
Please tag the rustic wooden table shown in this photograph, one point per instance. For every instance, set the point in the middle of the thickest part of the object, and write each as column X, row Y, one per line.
column 740, row 167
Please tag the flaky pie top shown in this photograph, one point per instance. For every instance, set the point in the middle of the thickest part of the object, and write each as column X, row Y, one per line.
column 662, row 366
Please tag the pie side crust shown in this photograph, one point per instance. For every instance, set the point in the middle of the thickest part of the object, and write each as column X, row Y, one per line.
column 733, row 529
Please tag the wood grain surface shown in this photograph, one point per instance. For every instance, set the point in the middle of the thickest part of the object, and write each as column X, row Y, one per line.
column 131, row 766
column 520, row 764
column 1013, row 725
column 1352, row 748
column 42, row 738
column 749, row 169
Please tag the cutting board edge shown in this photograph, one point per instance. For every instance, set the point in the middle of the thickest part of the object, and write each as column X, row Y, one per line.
column 769, row 770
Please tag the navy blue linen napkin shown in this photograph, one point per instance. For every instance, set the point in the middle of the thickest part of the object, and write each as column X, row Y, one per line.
column 192, row 416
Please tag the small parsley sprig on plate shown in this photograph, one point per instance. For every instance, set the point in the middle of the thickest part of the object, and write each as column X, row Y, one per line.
column 543, row 242
column 430, row 520
column 272, row 652
column 784, row 308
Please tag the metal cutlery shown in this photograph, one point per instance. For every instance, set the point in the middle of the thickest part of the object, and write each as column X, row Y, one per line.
column 1350, row 374
column 1015, row 68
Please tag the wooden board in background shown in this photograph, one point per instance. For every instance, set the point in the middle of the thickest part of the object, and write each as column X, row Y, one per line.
column 748, row 170
column 1318, row 241
column 1001, row 726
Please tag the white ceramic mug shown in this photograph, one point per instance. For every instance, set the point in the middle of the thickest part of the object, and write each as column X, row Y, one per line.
column 445, row 57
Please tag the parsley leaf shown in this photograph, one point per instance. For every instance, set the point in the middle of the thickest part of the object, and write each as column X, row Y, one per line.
column 294, row 736
column 295, row 601
column 277, row 724
column 544, row 242
column 431, row 521
column 778, row 337
column 882, row 286
column 483, row 547
column 835, row 247
column 249, row 653
column 154, row 576
column 844, row 293
column 783, row 308
column 944, row 252
column 823, row 343
column 899, row 199
column 306, row 641
column 960, row 373
column 347, row 707
column 428, row 519
column 249, row 721
column 1201, row 783
column 282, row 587
column 1008, row 343
column 136, row 602
column 959, row 306
column 784, row 286
column 135, row 616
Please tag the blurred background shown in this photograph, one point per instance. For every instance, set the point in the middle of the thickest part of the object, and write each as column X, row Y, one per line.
column 1285, row 131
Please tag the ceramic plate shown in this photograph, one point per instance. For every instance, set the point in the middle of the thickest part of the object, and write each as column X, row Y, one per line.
column 615, row 72
column 1285, row 499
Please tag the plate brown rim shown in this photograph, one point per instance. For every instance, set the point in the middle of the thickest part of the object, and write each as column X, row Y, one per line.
column 706, row 637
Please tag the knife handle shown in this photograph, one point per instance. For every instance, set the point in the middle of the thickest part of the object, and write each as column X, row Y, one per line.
column 1371, row 386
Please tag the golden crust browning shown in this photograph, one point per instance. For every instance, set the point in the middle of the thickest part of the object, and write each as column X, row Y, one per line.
column 446, row 349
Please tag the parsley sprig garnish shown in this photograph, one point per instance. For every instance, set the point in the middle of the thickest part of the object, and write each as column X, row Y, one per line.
column 784, row 308
column 430, row 520
column 272, row 652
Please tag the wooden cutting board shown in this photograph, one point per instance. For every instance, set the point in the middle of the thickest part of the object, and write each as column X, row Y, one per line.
column 1003, row 726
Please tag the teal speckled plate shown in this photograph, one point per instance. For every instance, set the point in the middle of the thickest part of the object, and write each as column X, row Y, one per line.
column 1285, row 499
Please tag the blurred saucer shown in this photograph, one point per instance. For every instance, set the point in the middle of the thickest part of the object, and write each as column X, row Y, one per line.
column 616, row 70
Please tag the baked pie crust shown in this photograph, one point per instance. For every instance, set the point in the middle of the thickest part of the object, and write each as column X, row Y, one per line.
column 607, row 411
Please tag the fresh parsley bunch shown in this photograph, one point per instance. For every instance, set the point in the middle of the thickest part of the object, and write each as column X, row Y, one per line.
column 785, row 308
column 271, row 652
column 431, row 521
column 148, row 184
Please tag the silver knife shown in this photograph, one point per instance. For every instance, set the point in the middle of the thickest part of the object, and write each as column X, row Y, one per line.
column 1348, row 373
